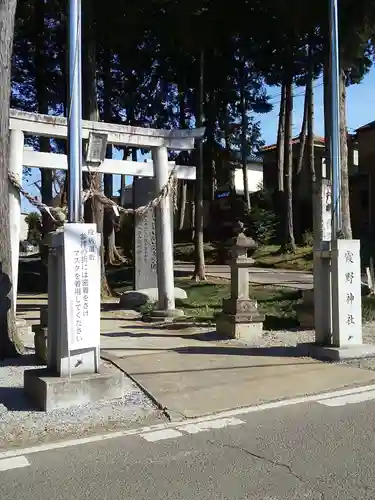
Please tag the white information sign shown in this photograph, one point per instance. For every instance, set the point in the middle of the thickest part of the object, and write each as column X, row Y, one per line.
column 82, row 278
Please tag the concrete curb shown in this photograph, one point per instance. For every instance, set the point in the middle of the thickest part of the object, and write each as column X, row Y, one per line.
column 169, row 415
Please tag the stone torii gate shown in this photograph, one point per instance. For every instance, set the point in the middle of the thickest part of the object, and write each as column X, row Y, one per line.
column 159, row 141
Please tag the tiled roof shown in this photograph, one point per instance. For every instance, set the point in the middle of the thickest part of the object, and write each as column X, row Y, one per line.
column 318, row 140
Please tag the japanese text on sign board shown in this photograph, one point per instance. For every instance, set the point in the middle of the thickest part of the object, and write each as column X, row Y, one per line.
column 86, row 253
column 349, row 296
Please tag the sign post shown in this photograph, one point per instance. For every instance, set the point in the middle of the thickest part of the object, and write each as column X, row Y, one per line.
column 74, row 112
column 72, row 376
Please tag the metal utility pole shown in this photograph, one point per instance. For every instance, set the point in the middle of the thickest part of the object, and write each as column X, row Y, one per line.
column 335, row 118
column 75, row 112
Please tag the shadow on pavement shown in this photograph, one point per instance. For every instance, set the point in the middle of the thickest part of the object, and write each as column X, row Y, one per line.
column 274, row 351
column 215, row 369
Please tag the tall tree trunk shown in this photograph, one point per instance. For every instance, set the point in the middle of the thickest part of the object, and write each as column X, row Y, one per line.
column 345, row 198
column 302, row 136
column 44, row 142
column 94, row 211
column 280, row 146
column 310, row 123
column 183, row 182
column 183, row 201
column 192, row 213
column 111, row 220
column 327, row 117
column 289, row 243
column 244, row 146
column 122, row 190
column 279, row 195
column 111, row 223
column 231, row 169
column 210, row 142
column 199, row 271
column 9, row 342
column 310, row 139
column 297, row 177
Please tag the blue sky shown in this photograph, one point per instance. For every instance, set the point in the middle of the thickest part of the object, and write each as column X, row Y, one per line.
column 360, row 110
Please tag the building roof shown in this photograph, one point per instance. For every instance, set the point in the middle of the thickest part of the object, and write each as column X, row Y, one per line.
column 319, row 141
column 367, row 126
column 236, row 156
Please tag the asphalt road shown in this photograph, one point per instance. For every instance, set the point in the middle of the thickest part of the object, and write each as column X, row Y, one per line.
column 303, row 451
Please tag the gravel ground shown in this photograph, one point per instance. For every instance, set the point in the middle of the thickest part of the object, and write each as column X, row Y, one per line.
column 292, row 338
column 20, row 425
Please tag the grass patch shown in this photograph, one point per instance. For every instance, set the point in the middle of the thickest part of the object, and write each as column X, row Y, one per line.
column 271, row 257
column 368, row 308
column 268, row 256
column 276, row 303
column 214, row 253
column 205, row 300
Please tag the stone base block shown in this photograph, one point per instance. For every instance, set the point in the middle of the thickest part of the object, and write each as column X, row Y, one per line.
column 308, row 297
column 330, row 353
column 305, row 316
column 40, row 343
column 44, row 316
column 49, row 392
column 230, row 326
column 135, row 299
column 162, row 315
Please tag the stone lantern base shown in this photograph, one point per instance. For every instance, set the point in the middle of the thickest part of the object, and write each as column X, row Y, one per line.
column 240, row 319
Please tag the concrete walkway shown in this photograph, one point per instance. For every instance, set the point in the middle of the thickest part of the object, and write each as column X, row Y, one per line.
column 190, row 373
column 258, row 275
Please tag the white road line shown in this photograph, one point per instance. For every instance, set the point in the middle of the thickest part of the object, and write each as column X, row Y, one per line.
column 211, row 425
column 168, row 425
column 349, row 399
column 14, row 463
column 191, row 429
column 161, row 435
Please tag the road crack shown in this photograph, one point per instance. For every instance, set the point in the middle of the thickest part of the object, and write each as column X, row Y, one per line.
column 270, row 461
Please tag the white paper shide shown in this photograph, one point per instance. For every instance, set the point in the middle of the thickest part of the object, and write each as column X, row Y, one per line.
column 82, row 267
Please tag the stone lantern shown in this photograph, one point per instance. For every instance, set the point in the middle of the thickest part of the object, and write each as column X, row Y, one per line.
column 240, row 317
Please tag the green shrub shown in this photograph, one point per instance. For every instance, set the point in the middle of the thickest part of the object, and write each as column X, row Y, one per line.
column 263, row 224
column 308, row 239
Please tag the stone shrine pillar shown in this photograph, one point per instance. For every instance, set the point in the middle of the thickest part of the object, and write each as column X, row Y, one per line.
column 337, row 292
column 346, row 294
column 16, row 145
column 145, row 275
column 315, row 311
column 322, row 263
column 164, row 241
column 240, row 317
column 145, row 268
column 72, row 376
